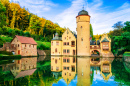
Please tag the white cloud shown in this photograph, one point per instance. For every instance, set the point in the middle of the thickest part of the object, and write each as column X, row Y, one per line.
column 68, row 17
column 101, row 20
column 37, row 6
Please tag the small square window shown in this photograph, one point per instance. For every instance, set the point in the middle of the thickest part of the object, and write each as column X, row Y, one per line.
column 68, row 60
column 67, row 43
column 67, row 68
column 64, row 43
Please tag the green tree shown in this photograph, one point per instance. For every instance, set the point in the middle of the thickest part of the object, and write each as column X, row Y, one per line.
column 2, row 15
column 118, row 25
column 127, row 26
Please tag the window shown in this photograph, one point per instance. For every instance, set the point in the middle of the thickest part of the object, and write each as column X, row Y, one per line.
column 29, row 45
column 73, row 69
column 67, row 68
column 64, row 60
column 57, row 68
column 64, row 68
column 56, row 50
column 81, row 39
column 69, row 74
column 18, row 45
column 67, row 43
column 68, row 60
column 67, row 32
column 69, row 37
column 25, row 45
column 51, row 43
column 72, row 43
column 64, row 43
column 81, row 27
column 33, row 46
column 56, row 61
column 74, row 59
column 68, row 51
column 65, row 73
column 106, row 45
column 64, row 50
column 57, row 43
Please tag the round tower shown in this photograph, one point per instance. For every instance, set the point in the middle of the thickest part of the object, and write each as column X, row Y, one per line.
column 83, row 33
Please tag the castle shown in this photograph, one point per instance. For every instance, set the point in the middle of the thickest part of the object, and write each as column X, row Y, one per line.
column 82, row 43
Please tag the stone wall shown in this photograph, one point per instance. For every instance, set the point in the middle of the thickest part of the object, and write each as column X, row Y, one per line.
column 44, row 52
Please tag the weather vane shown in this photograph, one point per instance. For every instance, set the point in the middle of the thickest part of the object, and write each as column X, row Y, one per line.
column 83, row 7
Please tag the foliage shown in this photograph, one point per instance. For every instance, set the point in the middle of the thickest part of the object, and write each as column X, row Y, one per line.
column 21, row 22
column 118, row 25
column 120, row 38
column 120, row 73
column 2, row 15
column 91, row 31
column 43, row 45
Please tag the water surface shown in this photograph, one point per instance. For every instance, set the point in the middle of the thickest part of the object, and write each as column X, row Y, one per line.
column 65, row 71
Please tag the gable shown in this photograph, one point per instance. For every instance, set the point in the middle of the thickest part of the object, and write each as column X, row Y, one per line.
column 68, row 34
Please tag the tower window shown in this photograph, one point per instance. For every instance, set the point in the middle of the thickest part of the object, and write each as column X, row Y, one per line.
column 81, row 27
column 81, row 39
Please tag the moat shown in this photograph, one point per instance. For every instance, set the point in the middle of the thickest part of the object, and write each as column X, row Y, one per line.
column 65, row 71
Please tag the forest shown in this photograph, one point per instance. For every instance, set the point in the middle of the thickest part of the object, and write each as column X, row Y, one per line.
column 16, row 20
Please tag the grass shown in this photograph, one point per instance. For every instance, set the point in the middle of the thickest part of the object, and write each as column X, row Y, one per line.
column 47, row 44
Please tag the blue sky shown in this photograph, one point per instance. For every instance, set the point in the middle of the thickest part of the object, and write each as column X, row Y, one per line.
column 104, row 13
column 97, row 81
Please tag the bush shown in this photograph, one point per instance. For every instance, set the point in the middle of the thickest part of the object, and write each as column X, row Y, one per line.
column 42, row 47
column 10, row 57
column 6, row 53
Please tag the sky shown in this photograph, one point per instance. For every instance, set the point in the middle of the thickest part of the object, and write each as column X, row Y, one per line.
column 97, row 81
column 104, row 13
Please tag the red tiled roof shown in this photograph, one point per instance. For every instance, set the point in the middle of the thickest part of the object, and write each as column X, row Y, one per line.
column 25, row 73
column 26, row 40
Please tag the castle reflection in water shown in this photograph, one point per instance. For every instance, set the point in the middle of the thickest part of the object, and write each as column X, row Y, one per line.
column 83, row 68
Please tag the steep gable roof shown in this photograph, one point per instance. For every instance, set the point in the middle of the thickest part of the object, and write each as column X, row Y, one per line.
column 26, row 40
column 105, row 40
